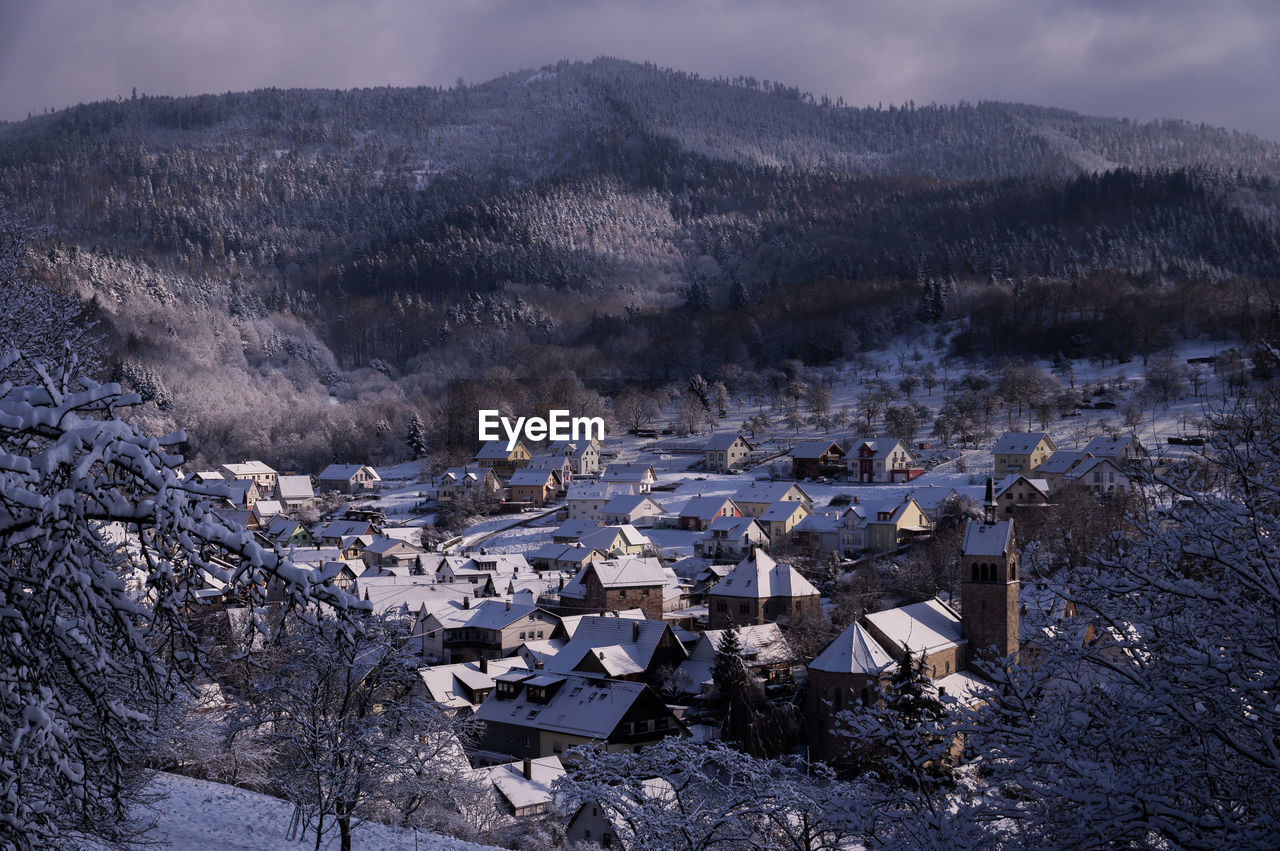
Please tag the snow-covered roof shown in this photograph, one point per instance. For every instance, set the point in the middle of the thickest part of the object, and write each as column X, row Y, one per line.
column 249, row 468
column 1061, row 461
column 571, row 622
column 1041, row 485
column 346, row 472
column 623, row 646
column 587, row 491
column 987, row 539
column 381, row 545
column 487, row 614
column 758, row 577
column 520, row 791
column 625, row 503
column 722, row 442
column 450, row 685
column 814, row 449
column 495, row 450
column 853, row 651
column 1088, row 465
column 705, row 507
column 582, row 706
column 562, row 552
column 267, row 508
column 1106, row 446
column 626, row 572
column 782, row 510
column 530, row 477
column 629, row 473
column 294, row 487
column 921, row 627
column 572, row 530
column 963, row 689
column 603, row 537
column 731, row 526
column 770, row 492
column 1021, row 443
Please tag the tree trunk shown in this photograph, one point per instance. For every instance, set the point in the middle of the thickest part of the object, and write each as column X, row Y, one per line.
column 344, row 828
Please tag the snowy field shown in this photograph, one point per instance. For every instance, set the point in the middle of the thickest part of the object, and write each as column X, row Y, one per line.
column 197, row 814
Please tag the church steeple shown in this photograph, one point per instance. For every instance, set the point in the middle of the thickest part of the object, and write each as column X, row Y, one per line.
column 989, row 504
column 989, row 586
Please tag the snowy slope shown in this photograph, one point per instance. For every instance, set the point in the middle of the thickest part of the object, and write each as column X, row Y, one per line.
column 197, row 814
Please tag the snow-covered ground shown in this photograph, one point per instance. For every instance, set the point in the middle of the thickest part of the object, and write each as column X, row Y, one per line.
column 197, row 814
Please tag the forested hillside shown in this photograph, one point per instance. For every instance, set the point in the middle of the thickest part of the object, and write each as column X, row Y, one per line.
column 256, row 254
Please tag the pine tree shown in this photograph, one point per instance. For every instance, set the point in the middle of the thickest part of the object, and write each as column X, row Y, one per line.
column 417, row 437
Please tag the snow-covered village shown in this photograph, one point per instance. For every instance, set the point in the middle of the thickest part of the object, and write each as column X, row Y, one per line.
column 632, row 451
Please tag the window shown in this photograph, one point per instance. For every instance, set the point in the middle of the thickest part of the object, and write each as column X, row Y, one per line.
column 539, row 633
column 744, row 608
column 722, row 606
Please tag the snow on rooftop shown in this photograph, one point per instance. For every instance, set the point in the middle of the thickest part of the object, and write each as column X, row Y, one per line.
column 921, row 627
column 853, row 651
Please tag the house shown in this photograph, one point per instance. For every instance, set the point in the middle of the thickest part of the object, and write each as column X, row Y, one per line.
column 491, row 629
column 699, row 512
column 332, row 532
column 295, row 492
column 463, row 686
column 1122, row 449
column 615, row 541
column 383, row 552
column 288, row 532
column 567, row 557
column 1057, row 465
column 931, row 628
column 639, row 478
column 764, row 649
column 532, row 485
column 755, row 498
column 570, row 531
column 847, row 673
column 1100, row 475
column 615, row 584
column 583, row 455
column 895, row 525
column 843, row 533
column 262, row 512
column 780, row 518
column 724, row 453
column 460, row 481
column 523, row 788
column 587, row 502
column 501, row 460
column 731, row 537
column 559, row 467
column 635, row 509
column 254, row 471
column 343, row 573
column 597, row 824
column 620, row 648
column 759, row 590
column 1022, row 453
column 883, row 459
column 536, row 714
column 814, row 458
column 347, row 478
column 242, row 493
column 1019, row 491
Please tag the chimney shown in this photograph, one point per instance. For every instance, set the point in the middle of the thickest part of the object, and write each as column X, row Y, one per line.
column 466, row 602
column 484, row 665
column 635, row 631
column 528, row 768
column 857, row 499
column 508, row 605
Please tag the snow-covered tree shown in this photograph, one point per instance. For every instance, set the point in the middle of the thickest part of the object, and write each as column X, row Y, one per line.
column 351, row 739
column 102, row 548
column 1161, row 730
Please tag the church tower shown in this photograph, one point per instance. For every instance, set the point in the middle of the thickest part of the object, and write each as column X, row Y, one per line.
column 989, row 586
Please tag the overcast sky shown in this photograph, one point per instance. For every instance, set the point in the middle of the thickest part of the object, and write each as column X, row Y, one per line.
column 1216, row 61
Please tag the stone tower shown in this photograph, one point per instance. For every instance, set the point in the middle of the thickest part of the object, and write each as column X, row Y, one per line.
column 989, row 587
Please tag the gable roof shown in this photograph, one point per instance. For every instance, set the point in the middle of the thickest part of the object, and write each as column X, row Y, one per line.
column 487, row 614
column 814, row 449
column 625, row 503
column 705, row 507
column 1087, row 465
column 921, row 627
column 782, row 510
column 732, row 526
column 624, row 572
column 520, row 791
column 603, row 537
column 530, row 477
column 1061, row 461
column 346, row 472
column 768, row 492
column 622, row 645
column 249, row 468
column 294, row 487
column 1040, row 485
column 582, row 706
column 496, row 450
column 722, row 442
column 587, row 491
column 1105, row 446
column 629, row 473
column 883, row 447
column 758, row 577
column 449, row 685
column 987, row 539
column 853, row 651
column 1022, row 443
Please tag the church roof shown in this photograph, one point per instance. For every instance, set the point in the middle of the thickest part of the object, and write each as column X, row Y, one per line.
column 988, row 539
column 854, row 651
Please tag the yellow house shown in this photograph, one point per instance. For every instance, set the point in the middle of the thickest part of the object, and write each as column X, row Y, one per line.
column 1020, row 453
column 893, row 527
column 780, row 518
column 503, row 461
